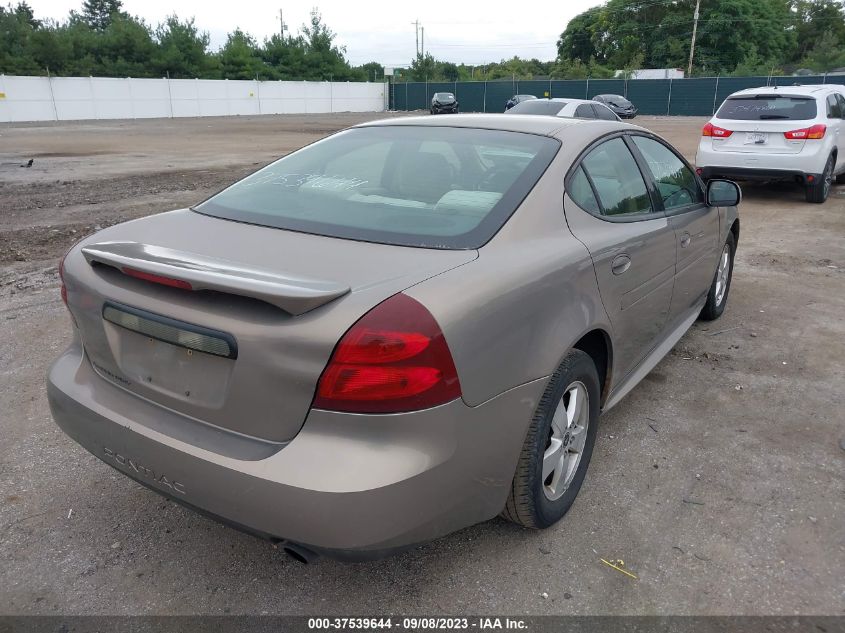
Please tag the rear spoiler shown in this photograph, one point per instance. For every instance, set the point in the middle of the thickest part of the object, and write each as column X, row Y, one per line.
column 192, row 271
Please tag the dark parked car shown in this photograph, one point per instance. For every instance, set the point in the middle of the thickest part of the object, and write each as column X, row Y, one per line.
column 517, row 99
column 619, row 104
column 444, row 103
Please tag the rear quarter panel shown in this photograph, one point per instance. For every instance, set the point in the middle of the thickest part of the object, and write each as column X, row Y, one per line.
column 511, row 315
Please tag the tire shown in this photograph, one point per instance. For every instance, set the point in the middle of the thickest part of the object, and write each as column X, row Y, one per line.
column 537, row 503
column 819, row 190
column 717, row 297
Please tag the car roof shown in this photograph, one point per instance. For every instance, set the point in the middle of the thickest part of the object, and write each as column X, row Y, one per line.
column 527, row 123
column 568, row 100
column 787, row 91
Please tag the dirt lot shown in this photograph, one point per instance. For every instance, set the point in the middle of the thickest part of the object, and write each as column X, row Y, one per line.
column 720, row 480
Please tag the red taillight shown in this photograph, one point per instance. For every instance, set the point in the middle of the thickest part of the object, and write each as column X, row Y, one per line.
column 394, row 359
column 156, row 279
column 815, row 132
column 716, row 131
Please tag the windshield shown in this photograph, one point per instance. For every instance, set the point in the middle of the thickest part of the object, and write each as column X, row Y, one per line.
column 617, row 100
column 434, row 187
column 442, row 96
column 537, row 106
column 768, row 107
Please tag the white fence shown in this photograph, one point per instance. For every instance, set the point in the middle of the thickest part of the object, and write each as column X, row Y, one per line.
column 75, row 98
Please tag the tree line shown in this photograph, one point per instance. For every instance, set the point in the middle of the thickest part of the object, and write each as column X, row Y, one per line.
column 102, row 40
column 740, row 37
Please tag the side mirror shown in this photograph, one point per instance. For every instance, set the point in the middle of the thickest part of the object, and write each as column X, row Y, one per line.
column 723, row 193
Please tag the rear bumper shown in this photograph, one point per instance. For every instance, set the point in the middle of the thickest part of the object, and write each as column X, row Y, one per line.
column 810, row 161
column 349, row 486
column 754, row 174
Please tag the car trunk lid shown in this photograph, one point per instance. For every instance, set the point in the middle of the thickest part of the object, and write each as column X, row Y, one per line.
column 759, row 137
column 229, row 323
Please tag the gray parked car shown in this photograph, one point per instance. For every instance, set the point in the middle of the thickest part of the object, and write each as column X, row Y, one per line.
column 403, row 329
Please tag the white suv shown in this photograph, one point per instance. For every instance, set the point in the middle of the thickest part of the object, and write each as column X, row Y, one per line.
column 778, row 133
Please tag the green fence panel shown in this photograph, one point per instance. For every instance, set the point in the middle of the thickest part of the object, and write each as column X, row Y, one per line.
column 807, row 80
column 498, row 93
column 605, row 87
column 691, row 97
column 538, row 87
column 417, row 96
column 470, row 96
column 569, row 88
column 651, row 96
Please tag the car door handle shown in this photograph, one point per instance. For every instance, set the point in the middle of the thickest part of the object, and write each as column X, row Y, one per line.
column 620, row 264
column 686, row 238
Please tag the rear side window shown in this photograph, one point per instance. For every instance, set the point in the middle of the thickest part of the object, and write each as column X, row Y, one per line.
column 585, row 111
column 768, row 107
column 834, row 111
column 582, row 193
column 675, row 181
column 537, row 106
column 433, row 187
column 604, row 113
column 617, row 179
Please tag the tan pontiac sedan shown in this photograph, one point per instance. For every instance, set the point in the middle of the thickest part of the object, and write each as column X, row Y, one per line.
column 403, row 329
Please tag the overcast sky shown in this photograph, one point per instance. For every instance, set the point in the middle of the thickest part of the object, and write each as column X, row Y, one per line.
column 470, row 31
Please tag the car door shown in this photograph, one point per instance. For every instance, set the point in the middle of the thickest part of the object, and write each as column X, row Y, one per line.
column 610, row 208
column 695, row 224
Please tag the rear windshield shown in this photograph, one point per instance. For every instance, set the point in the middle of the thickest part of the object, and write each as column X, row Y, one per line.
column 537, row 106
column 433, row 187
column 768, row 107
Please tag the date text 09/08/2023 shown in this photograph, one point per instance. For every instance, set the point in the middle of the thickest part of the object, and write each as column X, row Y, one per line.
column 416, row 623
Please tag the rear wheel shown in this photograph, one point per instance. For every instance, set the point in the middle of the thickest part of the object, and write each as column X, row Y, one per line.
column 558, row 447
column 717, row 298
column 820, row 189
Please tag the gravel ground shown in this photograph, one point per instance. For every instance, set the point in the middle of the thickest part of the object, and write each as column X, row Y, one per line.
column 720, row 480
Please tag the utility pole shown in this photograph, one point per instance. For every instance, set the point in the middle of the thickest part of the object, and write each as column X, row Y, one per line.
column 694, row 31
column 422, row 40
column 416, row 24
column 283, row 26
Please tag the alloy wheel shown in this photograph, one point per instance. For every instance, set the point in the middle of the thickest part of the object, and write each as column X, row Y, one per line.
column 567, row 437
column 723, row 274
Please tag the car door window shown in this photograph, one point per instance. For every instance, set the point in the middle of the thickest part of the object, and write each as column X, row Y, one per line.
column 676, row 183
column 841, row 101
column 581, row 192
column 604, row 113
column 617, row 180
column 834, row 111
column 584, row 111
